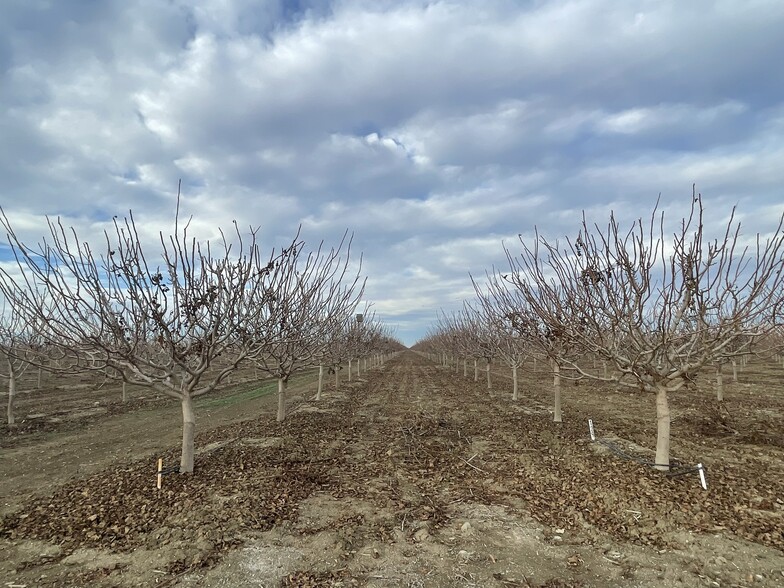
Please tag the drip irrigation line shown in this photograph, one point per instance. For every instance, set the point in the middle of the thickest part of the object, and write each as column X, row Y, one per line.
column 675, row 468
column 170, row 470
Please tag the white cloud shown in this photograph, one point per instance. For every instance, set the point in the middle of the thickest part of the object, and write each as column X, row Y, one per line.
column 669, row 116
column 430, row 129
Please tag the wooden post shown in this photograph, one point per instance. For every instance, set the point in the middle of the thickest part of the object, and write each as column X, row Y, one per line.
column 160, row 475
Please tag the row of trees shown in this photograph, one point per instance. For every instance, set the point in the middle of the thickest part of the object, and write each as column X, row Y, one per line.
column 183, row 316
column 655, row 310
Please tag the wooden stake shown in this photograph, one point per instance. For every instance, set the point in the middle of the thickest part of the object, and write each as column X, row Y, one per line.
column 160, row 469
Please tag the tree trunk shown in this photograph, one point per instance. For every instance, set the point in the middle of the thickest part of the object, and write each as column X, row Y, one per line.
column 487, row 371
column 125, row 391
column 604, row 366
column 337, row 377
column 662, row 430
column 40, row 376
column 476, row 370
column 734, row 370
column 514, row 382
column 534, row 364
column 281, row 399
column 11, row 393
column 188, row 433
column 349, row 370
column 719, row 384
column 557, row 390
column 465, row 367
column 321, row 382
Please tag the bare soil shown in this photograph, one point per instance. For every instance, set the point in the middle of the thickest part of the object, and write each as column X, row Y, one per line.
column 410, row 476
column 74, row 428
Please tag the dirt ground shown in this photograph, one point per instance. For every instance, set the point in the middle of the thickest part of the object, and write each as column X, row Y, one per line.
column 410, row 476
column 70, row 428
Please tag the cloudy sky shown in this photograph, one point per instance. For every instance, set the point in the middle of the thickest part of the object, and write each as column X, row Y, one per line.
column 435, row 131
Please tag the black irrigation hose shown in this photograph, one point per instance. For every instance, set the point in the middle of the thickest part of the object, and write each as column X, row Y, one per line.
column 681, row 469
column 170, row 470
column 685, row 471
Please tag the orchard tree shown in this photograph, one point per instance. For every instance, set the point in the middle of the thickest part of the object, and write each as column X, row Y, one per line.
column 19, row 347
column 158, row 316
column 388, row 344
column 741, row 348
column 360, row 335
column 367, row 336
column 484, row 337
column 499, row 308
column 457, row 334
column 436, row 341
column 463, row 341
column 457, row 343
column 468, row 339
column 534, row 334
column 660, row 309
column 330, row 354
column 338, row 345
column 312, row 295
column 773, row 343
column 335, row 349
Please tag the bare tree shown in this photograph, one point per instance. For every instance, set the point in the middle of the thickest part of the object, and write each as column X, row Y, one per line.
column 161, row 325
column 436, row 342
column 18, row 348
column 365, row 335
column 313, row 294
column 740, row 347
column 456, row 334
column 499, row 308
column 484, row 336
column 553, row 343
column 361, row 333
column 334, row 351
column 773, row 344
column 660, row 310
column 464, row 341
column 388, row 344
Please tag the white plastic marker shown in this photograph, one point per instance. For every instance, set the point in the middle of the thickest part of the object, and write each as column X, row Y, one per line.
column 702, row 476
column 590, row 429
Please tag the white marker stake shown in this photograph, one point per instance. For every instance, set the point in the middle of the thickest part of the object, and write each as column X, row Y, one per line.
column 160, row 469
column 590, row 429
column 702, row 476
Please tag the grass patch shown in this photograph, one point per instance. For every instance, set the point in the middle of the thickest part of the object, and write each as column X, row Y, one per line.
column 246, row 394
column 238, row 396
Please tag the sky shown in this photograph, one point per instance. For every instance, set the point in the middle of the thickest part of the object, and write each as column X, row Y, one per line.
column 436, row 132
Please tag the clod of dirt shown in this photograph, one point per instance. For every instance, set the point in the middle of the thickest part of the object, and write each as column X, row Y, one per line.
column 421, row 535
